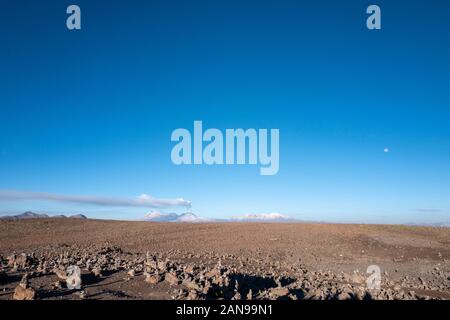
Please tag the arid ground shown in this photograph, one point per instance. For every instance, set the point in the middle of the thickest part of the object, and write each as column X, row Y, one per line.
column 150, row 260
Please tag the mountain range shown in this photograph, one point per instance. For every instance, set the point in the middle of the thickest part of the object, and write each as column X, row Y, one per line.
column 32, row 215
column 192, row 218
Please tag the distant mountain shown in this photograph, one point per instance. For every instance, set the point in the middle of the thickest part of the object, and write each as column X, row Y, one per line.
column 174, row 217
column 32, row 215
column 433, row 224
column 264, row 217
column 160, row 216
column 78, row 216
column 25, row 215
column 192, row 218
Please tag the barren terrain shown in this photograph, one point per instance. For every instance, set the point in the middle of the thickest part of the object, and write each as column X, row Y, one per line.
column 149, row 260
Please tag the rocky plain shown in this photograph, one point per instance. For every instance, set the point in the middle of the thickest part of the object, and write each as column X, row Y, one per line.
column 242, row 261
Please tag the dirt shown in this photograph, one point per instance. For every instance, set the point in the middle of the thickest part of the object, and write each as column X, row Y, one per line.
column 150, row 260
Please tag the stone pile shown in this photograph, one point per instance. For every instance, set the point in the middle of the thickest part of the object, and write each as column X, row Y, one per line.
column 23, row 291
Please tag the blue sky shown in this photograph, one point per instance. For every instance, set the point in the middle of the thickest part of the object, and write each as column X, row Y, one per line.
column 90, row 112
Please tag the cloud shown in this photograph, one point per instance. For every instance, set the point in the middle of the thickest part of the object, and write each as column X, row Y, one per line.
column 143, row 200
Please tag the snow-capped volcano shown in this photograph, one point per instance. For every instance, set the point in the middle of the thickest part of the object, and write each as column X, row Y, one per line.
column 174, row 217
column 192, row 218
column 160, row 216
column 267, row 217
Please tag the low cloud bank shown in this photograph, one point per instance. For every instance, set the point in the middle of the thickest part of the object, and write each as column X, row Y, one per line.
column 143, row 200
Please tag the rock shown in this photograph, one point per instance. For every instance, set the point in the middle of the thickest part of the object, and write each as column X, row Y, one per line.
column 57, row 285
column 171, row 278
column 180, row 294
column 206, row 288
column 61, row 274
column 237, row 296
column 214, row 273
column 97, row 272
column 189, row 269
column 42, row 267
column 82, row 294
column 23, row 292
column 397, row 287
column 11, row 260
column 162, row 265
column 193, row 295
column 153, row 278
column 422, row 281
column 23, row 261
column 278, row 292
column 357, row 278
column 343, row 296
column 314, row 294
column 190, row 284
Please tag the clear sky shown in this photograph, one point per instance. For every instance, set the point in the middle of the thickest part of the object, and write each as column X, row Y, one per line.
column 90, row 112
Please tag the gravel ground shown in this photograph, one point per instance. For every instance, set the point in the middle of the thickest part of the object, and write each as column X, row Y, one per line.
column 148, row 260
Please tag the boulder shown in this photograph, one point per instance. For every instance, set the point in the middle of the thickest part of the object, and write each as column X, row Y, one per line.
column 97, row 272
column 171, row 278
column 358, row 278
column 278, row 293
column 190, row 284
column 343, row 296
column 23, row 292
column 60, row 273
column 23, row 260
column 250, row 295
column 153, row 278
column 11, row 260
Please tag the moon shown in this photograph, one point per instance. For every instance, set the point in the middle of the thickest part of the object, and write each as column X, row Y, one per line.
column 386, row 150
